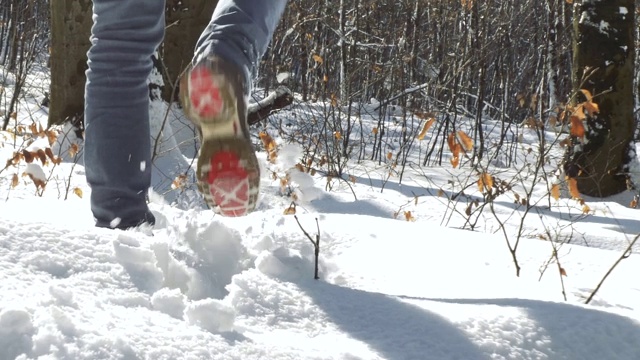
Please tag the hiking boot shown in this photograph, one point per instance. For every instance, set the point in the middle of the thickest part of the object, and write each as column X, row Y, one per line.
column 213, row 94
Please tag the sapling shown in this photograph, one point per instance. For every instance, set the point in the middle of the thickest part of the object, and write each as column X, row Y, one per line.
column 316, row 244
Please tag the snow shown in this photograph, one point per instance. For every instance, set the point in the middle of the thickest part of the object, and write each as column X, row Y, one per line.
column 282, row 77
column 200, row 286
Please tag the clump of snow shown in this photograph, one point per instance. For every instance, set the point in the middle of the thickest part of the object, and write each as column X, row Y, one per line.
column 169, row 301
column 139, row 262
column 16, row 332
column 211, row 315
column 62, row 295
column 302, row 184
column 36, row 171
column 282, row 77
column 115, row 222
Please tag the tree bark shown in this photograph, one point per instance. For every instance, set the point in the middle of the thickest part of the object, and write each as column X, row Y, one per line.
column 70, row 28
column 603, row 43
column 186, row 19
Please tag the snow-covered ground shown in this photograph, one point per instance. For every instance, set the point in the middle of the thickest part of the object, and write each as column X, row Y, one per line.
column 208, row 287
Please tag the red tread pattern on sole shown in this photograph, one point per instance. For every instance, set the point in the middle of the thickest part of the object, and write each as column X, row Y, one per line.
column 229, row 184
column 204, row 94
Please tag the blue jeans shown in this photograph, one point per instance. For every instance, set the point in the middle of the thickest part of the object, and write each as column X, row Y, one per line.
column 125, row 35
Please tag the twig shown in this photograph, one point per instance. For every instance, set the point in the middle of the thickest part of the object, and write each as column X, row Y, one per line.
column 624, row 255
column 316, row 244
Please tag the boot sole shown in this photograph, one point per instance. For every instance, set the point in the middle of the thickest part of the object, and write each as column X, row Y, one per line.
column 228, row 172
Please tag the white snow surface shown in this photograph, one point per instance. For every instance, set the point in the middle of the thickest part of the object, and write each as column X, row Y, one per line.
column 200, row 286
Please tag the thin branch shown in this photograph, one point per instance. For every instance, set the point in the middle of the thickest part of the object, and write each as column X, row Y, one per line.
column 624, row 255
column 316, row 244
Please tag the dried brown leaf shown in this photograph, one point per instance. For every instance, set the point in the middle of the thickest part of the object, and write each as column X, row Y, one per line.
column 485, row 183
column 555, row 191
column 465, row 140
column 28, row 157
column 425, row 128
column 579, row 112
column 269, row 145
column 587, row 94
column 41, row 155
column 563, row 272
column 577, row 127
column 52, row 136
column 455, row 149
column 573, row 188
column 17, row 156
column 291, row 210
column 34, row 129
column 73, row 150
column 49, row 154
column 591, row 107
column 179, row 182
column 408, row 216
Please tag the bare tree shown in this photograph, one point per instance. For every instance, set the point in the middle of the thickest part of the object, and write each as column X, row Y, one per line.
column 23, row 41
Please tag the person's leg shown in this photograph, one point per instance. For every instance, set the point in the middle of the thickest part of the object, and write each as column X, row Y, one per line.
column 117, row 156
column 240, row 32
column 214, row 96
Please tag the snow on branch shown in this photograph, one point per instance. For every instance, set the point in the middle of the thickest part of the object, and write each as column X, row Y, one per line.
column 276, row 100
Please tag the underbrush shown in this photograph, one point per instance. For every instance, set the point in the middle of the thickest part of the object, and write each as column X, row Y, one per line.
column 493, row 176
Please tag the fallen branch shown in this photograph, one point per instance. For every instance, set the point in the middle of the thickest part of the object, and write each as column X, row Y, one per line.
column 276, row 100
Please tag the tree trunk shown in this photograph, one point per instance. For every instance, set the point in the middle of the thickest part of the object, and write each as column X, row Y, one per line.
column 14, row 35
column 70, row 28
column 186, row 19
column 604, row 44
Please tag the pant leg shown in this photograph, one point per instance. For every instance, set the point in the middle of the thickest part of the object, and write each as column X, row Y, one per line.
column 240, row 32
column 117, row 155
